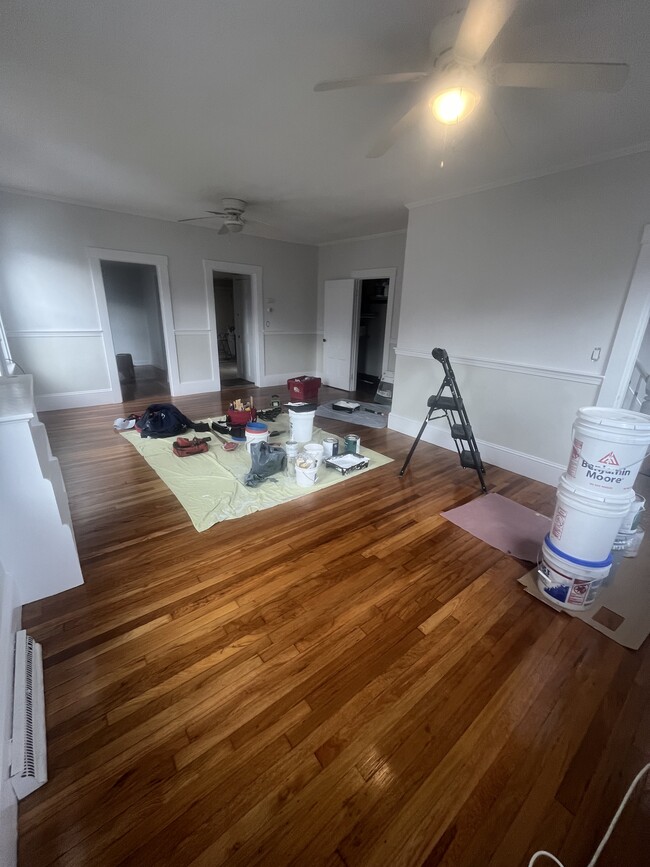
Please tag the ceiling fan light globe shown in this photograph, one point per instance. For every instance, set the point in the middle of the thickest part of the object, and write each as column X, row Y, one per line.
column 453, row 104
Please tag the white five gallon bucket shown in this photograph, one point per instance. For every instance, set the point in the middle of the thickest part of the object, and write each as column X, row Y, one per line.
column 256, row 432
column 608, row 448
column 567, row 581
column 302, row 425
column 585, row 523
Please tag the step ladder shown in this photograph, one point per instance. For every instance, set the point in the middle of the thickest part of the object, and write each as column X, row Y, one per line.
column 452, row 407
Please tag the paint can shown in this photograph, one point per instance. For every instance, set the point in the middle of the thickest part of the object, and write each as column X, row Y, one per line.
column 585, row 522
column 330, row 447
column 568, row 581
column 352, row 444
column 608, row 448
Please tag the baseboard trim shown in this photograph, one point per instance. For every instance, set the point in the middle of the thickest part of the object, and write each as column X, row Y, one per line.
column 73, row 399
column 10, row 616
column 501, row 456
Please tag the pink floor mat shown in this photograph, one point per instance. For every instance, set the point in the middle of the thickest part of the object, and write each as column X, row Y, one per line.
column 504, row 524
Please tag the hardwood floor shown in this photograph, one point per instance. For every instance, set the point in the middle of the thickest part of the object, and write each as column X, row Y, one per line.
column 344, row 680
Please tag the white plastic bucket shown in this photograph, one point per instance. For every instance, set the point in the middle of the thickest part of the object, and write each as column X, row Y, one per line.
column 315, row 451
column 256, row 432
column 608, row 448
column 306, row 476
column 585, row 523
column 631, row 520
column 568, row 582
column 302, row 425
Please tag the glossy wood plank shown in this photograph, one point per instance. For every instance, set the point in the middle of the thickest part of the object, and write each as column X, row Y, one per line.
column 346, row 679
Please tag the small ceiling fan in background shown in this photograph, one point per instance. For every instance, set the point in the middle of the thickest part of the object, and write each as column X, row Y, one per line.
column 453, row 84
column 232, row 216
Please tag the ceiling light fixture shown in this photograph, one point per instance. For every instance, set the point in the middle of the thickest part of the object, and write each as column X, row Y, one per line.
column 453, row 104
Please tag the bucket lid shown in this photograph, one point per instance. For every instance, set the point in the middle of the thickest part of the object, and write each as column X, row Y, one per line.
column 625, row 419
column 589, row 564
column 256, row 427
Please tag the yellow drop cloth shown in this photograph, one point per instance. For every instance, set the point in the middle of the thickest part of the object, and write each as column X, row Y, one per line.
column 210, row 486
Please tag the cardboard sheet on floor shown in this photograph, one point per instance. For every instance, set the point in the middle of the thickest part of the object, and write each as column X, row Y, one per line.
column 209, row 485
column 503, row 524
column 621, row 611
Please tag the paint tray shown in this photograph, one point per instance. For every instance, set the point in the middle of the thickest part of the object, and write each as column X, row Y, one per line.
column 347, row 463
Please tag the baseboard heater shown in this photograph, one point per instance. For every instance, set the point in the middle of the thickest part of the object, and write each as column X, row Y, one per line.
column 28, row 739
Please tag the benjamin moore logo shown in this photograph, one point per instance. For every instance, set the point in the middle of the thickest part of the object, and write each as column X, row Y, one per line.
column 610, row 459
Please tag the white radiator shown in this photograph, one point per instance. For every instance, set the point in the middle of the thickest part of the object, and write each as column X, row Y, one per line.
column 28, row 743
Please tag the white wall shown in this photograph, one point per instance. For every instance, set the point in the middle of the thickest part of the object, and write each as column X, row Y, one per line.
column 50, row 310
column 338, row 261
column 520, row 284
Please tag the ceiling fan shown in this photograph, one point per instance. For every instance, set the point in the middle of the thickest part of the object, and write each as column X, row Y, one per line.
column 452, row 85
column 232, row 216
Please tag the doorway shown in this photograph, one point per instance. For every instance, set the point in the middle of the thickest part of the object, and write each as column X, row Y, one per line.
column 136, row 326
column 371, row 333
column 233, row 311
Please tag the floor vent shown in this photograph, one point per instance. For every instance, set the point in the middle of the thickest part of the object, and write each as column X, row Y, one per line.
column 28, row 744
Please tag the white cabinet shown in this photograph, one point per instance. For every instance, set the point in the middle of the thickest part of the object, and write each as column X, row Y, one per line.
column 37, row 546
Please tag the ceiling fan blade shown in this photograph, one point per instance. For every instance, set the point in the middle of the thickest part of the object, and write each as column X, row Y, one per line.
column 223, row 230
column 390, row 137
column 208, row 216
column 561, row 76
column 360, row 80
column 481, row 24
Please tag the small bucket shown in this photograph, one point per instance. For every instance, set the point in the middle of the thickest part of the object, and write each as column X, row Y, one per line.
column 315, row 451
column 306, row 473
column 256, row 432
column 567, row 581
column 631, row 520
column 608, row 448
column 585, row 523
column 302, row 425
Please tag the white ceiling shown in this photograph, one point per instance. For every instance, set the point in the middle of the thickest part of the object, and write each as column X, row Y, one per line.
column 162, row 107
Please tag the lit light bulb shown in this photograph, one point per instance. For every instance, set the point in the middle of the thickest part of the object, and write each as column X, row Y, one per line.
column 453, row 104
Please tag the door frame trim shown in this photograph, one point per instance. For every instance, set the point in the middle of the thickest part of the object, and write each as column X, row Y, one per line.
column 630, row 331
column 255, row 272
column 95, row 257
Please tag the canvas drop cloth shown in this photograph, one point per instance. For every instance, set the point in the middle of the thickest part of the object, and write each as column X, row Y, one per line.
column 209, row 485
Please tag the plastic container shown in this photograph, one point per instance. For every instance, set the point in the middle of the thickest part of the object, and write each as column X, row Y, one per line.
column 304, row 387
column 569, row 582
column 385, row 388
column 631, row 521
column 585, row 523
column 302, row 425
column 632, row 547
column 256, row 432
column 315, row 451
column 306, row 470
column 608, row 448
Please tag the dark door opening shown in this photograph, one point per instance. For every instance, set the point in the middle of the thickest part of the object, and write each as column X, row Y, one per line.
column 372, row 330
column 232, row 303
column 135, row 317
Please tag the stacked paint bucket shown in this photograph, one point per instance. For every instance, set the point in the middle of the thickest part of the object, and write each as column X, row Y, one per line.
column 594, row 498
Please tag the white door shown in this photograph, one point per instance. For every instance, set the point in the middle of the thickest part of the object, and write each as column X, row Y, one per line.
column 339, row 333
